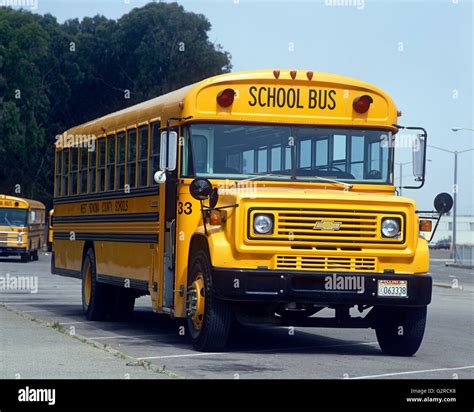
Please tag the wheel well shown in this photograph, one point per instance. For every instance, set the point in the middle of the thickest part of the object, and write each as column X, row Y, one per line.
column 87, row 245
column 199, row 242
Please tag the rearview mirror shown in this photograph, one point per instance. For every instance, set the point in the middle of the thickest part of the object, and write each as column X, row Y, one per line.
column 200, row 188
column 443, row 203
column 419, row 157
column 168, row 150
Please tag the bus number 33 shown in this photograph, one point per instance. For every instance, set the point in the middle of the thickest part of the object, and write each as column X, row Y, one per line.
column 186, row 208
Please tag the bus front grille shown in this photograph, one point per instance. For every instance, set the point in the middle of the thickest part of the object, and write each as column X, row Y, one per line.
column 326, row 263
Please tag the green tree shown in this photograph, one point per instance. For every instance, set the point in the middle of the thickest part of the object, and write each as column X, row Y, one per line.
column 54, row 76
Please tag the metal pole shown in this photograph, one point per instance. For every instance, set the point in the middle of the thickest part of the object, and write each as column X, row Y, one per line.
column 401, row 178
column 455, row 190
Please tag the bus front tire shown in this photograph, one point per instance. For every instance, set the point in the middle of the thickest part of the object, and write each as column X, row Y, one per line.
column 400, row 330
column 95, row 295
column 25, row 257
column 34, row 255
column 210, row 324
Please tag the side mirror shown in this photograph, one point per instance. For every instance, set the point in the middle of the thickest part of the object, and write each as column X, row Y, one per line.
column 200, row 188
column 443, row 203
column 419, row 157
column 160, row 177
column 168, row 150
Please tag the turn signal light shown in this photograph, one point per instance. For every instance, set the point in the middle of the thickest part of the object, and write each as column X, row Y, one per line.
column 362, row 103
column 217, row 217
column 426, row 225
column 225, row 98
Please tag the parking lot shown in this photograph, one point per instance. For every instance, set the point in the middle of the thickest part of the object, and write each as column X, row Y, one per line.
column 155, row 346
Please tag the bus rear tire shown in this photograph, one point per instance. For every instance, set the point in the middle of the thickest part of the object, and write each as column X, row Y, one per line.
column 400, row 330
column 209, row 326
column 95, row 295
column 34, row 256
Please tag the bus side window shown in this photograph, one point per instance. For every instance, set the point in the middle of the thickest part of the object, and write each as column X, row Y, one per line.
column 74, row 170
column 155, row 142
column 59, row 161
column 120, row 171
column 142, row 156
column 110, row 162
column 83, row 175
column 132, row 157
column 65, row 174
column 101, row 166
column 92, row 172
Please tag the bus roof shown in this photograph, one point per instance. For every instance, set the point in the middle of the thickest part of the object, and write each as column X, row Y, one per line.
column 9, row 201
column 184, row 102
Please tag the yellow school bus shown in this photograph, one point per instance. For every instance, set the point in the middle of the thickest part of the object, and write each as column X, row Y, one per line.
column 262, row 197
column 21, row 227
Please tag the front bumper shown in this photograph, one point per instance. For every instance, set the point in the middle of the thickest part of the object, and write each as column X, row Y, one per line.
column 264, row 285
column 8, row 251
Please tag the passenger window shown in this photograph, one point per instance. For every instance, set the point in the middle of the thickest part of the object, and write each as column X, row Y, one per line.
column 120, row 171
column 92, row 171
column 142, row 156
column 101, row 166
column 111, row 162
column 155, row 141
column 59, row 160
column 74, row 171
column 83, row 176
column 131, row 157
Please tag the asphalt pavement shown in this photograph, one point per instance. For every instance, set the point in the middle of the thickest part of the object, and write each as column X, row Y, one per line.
column 44, row 334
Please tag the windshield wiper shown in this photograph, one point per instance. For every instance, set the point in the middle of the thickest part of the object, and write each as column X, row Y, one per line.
column 8, row 223
column 259, row 176
column 346, row 185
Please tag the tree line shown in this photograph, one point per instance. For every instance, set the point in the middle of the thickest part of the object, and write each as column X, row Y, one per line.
column 54, row 76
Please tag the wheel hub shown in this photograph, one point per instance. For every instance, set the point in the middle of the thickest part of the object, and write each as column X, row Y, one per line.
column 195, row 301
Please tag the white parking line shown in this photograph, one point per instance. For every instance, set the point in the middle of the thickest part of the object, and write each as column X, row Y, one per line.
column 52, row 303
column 412, row 372
column 127, row 337
column 185, row 355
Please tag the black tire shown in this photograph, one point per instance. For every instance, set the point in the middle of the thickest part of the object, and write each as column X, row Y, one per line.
column 123, row 304
column 100, row 293
column 34, row 255
column 25, row 257
column 49, row 247
column 400, row 330
column 217, row 319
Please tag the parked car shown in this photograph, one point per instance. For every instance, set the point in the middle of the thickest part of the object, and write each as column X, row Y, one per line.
column 441, row 244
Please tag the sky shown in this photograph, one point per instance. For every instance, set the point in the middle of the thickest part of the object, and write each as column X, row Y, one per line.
column 420, row 52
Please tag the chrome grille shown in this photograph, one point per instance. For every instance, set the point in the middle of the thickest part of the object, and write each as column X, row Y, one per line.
column 326, row 263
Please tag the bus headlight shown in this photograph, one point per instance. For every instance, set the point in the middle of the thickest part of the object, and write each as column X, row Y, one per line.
column 263, row 224
column 390, row 227
column 20, row 237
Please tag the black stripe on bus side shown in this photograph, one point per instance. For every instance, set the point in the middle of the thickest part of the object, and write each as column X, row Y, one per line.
column 146, row 191
column 120, row 281
column 111, row 280
column 109, row 237
column 122, row 217
column 68, row 272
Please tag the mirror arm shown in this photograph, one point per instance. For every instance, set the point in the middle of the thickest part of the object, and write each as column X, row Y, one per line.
column 425, row 135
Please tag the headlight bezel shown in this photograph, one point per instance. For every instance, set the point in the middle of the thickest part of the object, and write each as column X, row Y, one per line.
column 270, row 219
column 391, row 219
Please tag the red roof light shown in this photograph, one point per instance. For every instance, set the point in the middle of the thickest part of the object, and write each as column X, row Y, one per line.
column 226, row 97
column 362, row 103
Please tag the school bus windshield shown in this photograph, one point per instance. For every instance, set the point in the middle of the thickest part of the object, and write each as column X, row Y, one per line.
column 12, row 217
column 241, row 151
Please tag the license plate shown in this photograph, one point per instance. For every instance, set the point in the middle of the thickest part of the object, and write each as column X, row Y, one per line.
column 393, row 288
